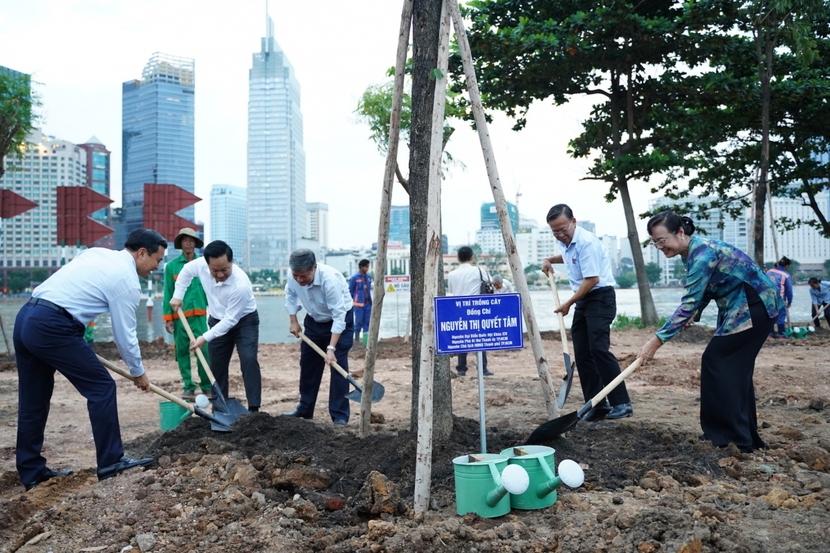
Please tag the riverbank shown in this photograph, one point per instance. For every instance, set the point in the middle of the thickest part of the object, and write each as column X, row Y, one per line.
column 282, row 484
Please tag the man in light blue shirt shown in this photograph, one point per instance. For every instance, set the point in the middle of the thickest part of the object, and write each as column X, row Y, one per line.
column 49, row 336
column 820, row 297
column 592, row 281
column 329, row 323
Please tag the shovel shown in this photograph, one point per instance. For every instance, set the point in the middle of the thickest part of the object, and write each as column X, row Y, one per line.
column 557, row 427
column 230, row 406
column 357, row 395
column 218, row 421
column 817, row 315
column 565, row 389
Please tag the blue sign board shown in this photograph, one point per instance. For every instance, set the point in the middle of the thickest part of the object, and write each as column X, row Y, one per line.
column 478, row 323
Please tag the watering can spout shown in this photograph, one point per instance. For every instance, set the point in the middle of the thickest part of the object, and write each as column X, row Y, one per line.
column 570, row 474
column 513, row 479
column 545, row 488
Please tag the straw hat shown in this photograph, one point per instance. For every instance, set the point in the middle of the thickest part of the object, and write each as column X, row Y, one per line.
column 185, row 232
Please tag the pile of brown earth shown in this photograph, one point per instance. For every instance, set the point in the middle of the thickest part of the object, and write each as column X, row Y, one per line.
column 283, row 484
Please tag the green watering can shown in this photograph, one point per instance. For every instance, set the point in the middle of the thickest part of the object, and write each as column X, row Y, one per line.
column 483, row 482
column 537, row 460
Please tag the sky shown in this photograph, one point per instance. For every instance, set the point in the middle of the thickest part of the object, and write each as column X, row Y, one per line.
column 79, row 52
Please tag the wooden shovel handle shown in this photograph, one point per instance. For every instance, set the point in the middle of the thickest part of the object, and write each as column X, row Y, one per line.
column 322, row 353
column 153, row 388
column 597, row 399
column 199, row 354
column 562, row 332
column 820, row 311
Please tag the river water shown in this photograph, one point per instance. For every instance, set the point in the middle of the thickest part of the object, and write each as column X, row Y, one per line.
column 273, row 327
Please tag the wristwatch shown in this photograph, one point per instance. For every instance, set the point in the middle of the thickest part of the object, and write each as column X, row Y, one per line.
column 330, row 347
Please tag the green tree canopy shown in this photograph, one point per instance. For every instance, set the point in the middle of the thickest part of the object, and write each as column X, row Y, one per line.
column 17, row 118
column 626, row 280
column 627, row 54
column 653, row 272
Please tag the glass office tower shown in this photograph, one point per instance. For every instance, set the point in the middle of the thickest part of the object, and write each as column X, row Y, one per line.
column 276, row 159
column 157, row 127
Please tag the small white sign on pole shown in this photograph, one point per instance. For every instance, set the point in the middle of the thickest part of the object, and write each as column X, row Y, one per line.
column 397, row 283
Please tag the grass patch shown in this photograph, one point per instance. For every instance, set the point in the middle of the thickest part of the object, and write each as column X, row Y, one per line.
column 623, row 321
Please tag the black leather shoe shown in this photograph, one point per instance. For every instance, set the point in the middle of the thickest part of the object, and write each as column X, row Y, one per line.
column 296, row 413
column 597, row 413
column 47, row 475
column 124, row 464
column 621, row 411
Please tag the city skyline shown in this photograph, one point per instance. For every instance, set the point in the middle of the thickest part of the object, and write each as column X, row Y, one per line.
column 344, row 168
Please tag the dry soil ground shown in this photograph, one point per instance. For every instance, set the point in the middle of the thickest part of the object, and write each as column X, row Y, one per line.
column 282, row 484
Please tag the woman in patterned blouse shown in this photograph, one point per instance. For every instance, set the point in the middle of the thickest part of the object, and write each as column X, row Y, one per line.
column 748, row 305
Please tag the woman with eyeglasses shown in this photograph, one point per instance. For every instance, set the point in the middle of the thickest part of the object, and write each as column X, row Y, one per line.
column 748, row 305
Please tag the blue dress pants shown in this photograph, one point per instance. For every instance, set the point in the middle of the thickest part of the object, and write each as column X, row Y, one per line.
column 312, row 366
column 46, row 340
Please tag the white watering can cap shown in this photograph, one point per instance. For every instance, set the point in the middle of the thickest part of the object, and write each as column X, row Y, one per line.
column 515, row 479
column 571, row 473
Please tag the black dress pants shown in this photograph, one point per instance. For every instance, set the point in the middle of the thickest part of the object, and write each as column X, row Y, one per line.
column 591, row 334
column 245, row 337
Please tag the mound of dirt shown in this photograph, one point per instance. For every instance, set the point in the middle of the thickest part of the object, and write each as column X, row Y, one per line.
column 156, row 349
column 283, row 484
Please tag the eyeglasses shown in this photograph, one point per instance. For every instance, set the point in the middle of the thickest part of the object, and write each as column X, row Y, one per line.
column 562, row 231
column 660, row 242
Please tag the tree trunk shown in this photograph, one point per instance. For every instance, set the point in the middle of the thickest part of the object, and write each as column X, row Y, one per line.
column 648, row 313
column 764, row 46
column 548, row 390
column 423, row 457
column 378, row 290
column 426, row 22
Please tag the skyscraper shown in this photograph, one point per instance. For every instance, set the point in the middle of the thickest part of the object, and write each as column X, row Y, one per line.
column 318, row 223
column 399, row 224
column 157, row 128
column 229, row 219
column 31, row 238
column 98, row 178
column 490, row 216
column 276, row 159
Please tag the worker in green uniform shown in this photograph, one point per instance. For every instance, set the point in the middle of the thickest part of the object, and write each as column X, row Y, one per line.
column 194, row 308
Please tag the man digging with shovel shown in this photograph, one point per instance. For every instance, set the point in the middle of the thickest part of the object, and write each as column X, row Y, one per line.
column 49, row 337
column 324, row 293
column 232, row 317
column 589, row 273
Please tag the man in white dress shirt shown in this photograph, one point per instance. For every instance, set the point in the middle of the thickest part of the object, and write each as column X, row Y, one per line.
column 233, row 319
column 592, row 282
column 329, row 323
column 466, row 280
column 502, row 285
column 49, row 337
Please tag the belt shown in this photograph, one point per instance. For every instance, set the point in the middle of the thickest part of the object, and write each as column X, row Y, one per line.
column 50, row 305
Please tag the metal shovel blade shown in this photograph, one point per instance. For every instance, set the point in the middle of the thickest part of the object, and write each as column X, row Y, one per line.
column 377, row 393
column 225, row 405
column 565, row 388
column 553, row 429
column 219, row 422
